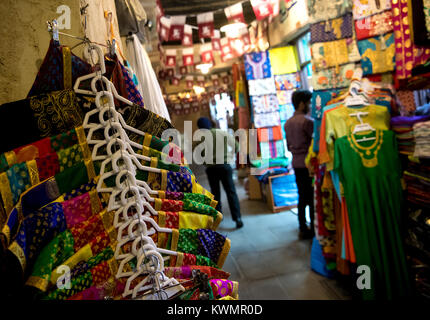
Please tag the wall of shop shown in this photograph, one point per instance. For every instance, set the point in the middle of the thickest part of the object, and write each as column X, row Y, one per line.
column 25, row 38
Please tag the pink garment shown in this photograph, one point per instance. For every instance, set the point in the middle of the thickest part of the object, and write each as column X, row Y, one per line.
column 78, row 209
column 408, row 55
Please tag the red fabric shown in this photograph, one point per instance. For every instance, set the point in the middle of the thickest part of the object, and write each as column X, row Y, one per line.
column 367, row 27
column 205, row 22
column 48, row 166
column 262, row 8
column 41, row 147
column 101, row 273
column 172, row 205
column 189, row 259
column 172, row 220
column 86, row 231
column 77, row 210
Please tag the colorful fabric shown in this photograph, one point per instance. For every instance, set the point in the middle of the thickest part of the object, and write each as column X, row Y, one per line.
column 272, row 149
column 408, row 55
column 257, row 65
column 283, row 60
column 70, row 156
column 50, row 76
column 372, row 169
column 177, row 181
column 330, row 79
column 286, row 111
column 321, row 10
column 332, row 30
column 36, row 231
column 287, row 81
column 264, row 104
column 284, row 97
column 377, row 54
column 185, row 272
column 48, row 166
column 334, row 53
column 81, row 208
column 269, row 134
column 375, row 25
column 133, row 93
column 261, row 87
column 193, row 206
column 263, row 120
column 365, row 8
column 223, row 288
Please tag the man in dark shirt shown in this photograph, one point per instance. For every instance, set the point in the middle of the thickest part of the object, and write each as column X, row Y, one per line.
column 299, row 129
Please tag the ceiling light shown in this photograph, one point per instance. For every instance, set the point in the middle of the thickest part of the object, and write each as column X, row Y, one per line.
column 233, row 27
column 204, row 67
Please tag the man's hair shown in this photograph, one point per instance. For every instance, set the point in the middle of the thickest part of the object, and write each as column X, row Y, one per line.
column 299, row 96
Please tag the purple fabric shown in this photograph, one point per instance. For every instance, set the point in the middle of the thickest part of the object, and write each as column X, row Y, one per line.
column 325, row 31
column 408, row 121
column 174, row 195
column 211, row 243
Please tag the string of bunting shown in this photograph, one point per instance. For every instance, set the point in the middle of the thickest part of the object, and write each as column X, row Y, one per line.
column 235, row 43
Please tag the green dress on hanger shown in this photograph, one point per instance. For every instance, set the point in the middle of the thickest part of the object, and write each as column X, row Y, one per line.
column 370, row 172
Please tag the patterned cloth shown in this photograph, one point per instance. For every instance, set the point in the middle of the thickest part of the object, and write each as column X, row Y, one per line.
column 408, row 55
column 284, row 97
column 262, row 87
column 287, row 81
column 334, row 53
column 286, row 111
column 179, row 182
column 378, row 54
column 332, row 30
column 264, row 104
column 264, row 120
column 269, row 134
column 375, row 25
column 223, row 288
column 366, row 8
column 321, row 10
column 330, row 79
column 257, row 65
column 272, row 149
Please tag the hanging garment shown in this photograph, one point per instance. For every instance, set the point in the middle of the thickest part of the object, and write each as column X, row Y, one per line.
column 378, row 54
column 285, row 82
column 331, row 30
column 331, row 79
column 185, row 205
column 187, row 196
column 185, row 272
column 334, row 53
column 39, row 116
column 370, row 172
column 148, row 83
column 223, row 288
column 269, row 134
column 321, row 10
column 264, row 104
column 185, row 220
column 408, row 55
column 283, row 60
column 284, row 97
column 261, row 87
column 263, row 120
column 365, row 8
column 257, row 65
column 59, row 70
column 337, row 123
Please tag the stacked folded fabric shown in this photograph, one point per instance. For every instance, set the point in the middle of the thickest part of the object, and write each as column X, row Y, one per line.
column 403, row 127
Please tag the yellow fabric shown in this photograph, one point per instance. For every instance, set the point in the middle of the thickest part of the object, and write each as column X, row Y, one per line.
column 283, row 60
column 83, row 254
column 6, row 193
column 19, row 253
column 339, row 123
column 33, row 172
column 191, row 220
column 224, row 253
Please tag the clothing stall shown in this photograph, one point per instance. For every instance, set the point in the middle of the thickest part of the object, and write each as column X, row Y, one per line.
column 94, row 204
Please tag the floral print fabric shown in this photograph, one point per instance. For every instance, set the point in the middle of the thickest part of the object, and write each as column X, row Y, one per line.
column 377, row 54
column 332, row 30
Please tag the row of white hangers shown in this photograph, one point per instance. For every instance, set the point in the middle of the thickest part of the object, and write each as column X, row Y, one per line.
column 124, row 162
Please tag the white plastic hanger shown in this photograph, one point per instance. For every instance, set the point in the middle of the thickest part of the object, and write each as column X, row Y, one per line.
column 363, row 126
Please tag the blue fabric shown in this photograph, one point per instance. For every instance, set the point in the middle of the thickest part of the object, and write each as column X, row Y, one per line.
column 204, row 123
column 210, row 244
column 284, row 191
column 257, row 65
column 367, row 44
column 318, row 263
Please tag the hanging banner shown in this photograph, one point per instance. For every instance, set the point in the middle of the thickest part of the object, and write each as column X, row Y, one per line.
column 234, row 13
column 170, row 72
column 183, row 70
column 189, row 81
column 205, row 105
column 176, row 80
column 226, row 51
column 216, row 40
column 171, row 57
column 215, row 80
column 187, row 40
column 206, row 54
column 177, row 24
column 205, row 22
column 262, row 8
column 178, row 109
column 165, row 28
column 225, row 78
column 186, row 109
column 162, row 75
column 246, row 39
column 237, row 46
column 201, row 81
column 195, row 105
column 204, row 95
column 188, row 56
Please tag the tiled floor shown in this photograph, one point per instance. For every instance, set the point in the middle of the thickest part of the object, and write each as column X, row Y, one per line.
column 266, row 256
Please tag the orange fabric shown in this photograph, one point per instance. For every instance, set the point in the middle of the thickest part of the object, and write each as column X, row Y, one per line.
column 349, row 246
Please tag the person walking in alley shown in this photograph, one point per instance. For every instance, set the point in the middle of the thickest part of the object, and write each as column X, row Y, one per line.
column 222, row 172
column 299, row 129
